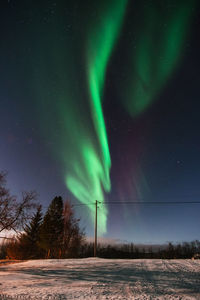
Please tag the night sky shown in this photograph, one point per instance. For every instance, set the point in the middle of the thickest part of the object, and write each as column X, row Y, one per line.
column 100, row 101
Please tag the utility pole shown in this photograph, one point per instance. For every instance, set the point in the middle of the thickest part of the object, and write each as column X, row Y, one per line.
column 95, row 230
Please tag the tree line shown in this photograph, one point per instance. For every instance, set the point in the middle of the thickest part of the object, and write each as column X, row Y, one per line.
column 57, row 233
column 184, row 250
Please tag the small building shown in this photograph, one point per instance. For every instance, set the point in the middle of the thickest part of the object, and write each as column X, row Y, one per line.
column 196, row 256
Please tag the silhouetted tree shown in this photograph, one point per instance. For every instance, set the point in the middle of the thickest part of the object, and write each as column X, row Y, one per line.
column 13, row 214
column 31, row 237
column 3, row 248
column 186, row 250
column 26, row 245
column 72, row 236
column 51, row 231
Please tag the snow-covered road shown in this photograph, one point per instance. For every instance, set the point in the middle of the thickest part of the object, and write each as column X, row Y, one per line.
column 101, row 279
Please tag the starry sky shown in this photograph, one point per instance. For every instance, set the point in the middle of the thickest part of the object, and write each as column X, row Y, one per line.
column 100, row 101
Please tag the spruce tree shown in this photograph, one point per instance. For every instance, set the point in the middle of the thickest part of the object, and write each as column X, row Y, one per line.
column 52, row 228
column 32, row 230
column 32, row 234
column 26, row 246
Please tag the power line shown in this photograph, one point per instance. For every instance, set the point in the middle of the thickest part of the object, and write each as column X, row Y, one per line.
column 82, row 204
column 134, row 202
column 151, row 202
column 139, row 202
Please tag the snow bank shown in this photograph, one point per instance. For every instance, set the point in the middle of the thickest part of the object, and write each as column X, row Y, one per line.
column 95, row 278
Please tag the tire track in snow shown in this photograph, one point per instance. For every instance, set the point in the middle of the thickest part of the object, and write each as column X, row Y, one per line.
column 104, row 279
column 183, row 276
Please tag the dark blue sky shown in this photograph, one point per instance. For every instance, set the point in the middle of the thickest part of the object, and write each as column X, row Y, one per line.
column 155, row 157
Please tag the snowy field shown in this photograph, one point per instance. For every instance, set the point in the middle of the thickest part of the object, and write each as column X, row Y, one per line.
column 101, row 279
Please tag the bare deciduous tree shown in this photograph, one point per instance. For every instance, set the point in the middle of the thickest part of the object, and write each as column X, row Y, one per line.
column 72, row 234
column 14, row 214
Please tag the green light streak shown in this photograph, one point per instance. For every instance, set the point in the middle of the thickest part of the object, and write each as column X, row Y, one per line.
column 160, row 47
column 100, row 46
column 90, row 177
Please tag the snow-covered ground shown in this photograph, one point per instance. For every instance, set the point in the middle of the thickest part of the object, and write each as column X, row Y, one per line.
column 101, row 279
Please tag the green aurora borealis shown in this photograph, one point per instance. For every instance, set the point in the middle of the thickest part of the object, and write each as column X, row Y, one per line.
column 73, row 98
column 160, row 47
column 87, row 183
